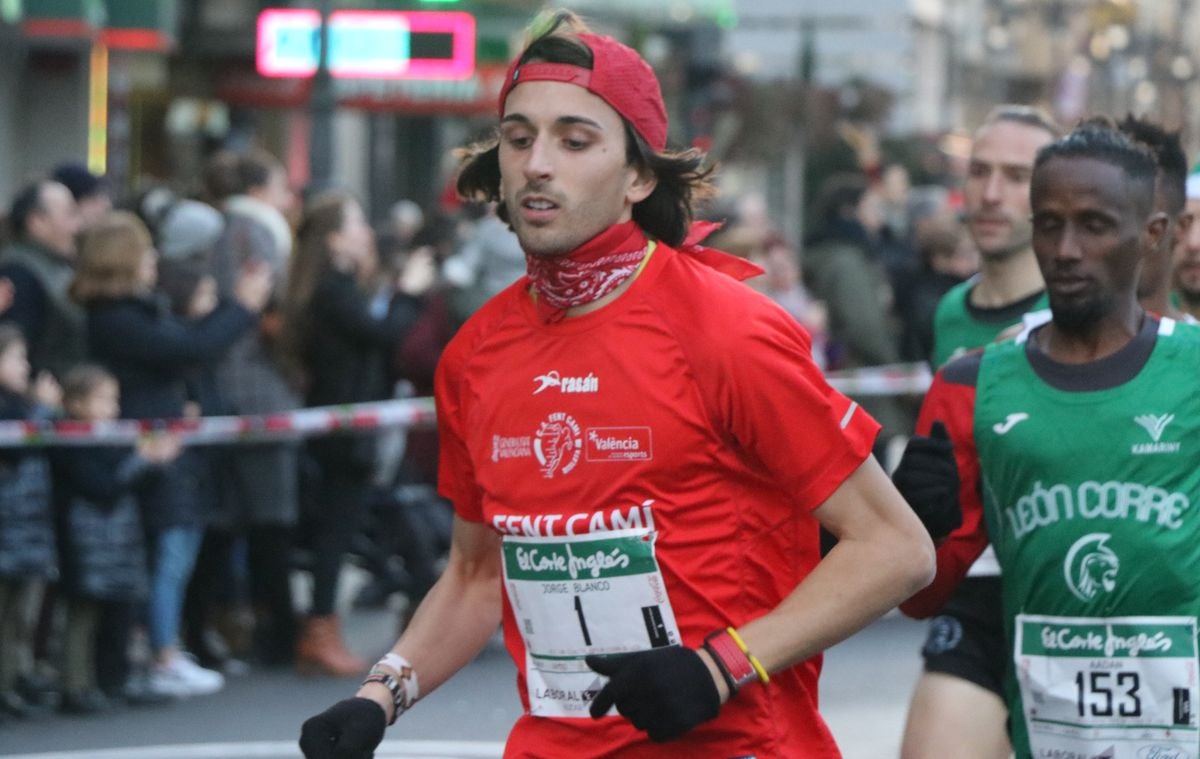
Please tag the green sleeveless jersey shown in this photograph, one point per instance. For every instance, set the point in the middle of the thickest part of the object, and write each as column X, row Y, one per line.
column 1091, row 500
column 959, row 327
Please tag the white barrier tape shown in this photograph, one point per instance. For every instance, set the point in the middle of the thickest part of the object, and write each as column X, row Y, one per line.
column 409, row 412
column 892, row 379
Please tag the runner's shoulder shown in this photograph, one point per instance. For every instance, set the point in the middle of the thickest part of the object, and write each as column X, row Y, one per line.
column 963, row 369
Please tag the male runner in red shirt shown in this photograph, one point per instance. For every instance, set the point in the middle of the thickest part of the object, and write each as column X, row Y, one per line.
column 640, row 452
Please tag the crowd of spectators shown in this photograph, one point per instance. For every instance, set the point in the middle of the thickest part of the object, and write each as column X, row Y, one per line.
column 136, row 574
column 142, row 573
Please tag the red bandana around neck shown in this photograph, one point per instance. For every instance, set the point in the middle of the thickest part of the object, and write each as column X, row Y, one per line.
column 587, row 273
column 601, row 264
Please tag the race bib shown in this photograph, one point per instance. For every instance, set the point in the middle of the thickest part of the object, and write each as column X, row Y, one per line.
column 574, row 596
column 1117, row 687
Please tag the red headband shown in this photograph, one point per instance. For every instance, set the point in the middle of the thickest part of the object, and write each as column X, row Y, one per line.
column 618, row 76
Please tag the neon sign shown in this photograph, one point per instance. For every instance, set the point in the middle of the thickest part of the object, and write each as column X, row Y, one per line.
column 368, row 44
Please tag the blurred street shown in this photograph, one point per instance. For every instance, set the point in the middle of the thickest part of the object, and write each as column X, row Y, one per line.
column 865, row 691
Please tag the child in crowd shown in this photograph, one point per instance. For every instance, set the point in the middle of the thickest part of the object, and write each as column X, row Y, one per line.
column 192, row 294
column 151, row 351
column 99, row 527
column 28, row 556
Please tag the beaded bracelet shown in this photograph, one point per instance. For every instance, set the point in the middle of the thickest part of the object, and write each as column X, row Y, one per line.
column 402, row 684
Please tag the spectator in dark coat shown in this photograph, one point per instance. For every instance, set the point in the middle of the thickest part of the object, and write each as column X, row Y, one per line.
column 28, row 558
column 344, row 351
column 150, row 351
column 843, row 267
column 261, row 483
column 39, row 264
column 948, row 257
column 99, row 529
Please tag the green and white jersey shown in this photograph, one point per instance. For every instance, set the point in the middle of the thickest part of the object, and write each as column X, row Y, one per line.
column 1090, row 479
column 959, row 326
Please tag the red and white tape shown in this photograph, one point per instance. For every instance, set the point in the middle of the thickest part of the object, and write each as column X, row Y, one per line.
column 412, row 413
column 409, row 412
column 892, row 379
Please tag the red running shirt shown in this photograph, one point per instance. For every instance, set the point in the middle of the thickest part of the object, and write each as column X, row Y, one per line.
column 690, row 405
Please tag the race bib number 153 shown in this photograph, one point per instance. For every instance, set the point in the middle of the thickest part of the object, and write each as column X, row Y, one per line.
column 1119, row 687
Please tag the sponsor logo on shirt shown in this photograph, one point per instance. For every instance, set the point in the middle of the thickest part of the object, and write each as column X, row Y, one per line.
column 636, row 517
column 558, row 444
column 1045, row 505
column 1012, row 420
column 1103, row 641
column 588, row 384
column 1154, row 427
column 619, row 444
column 511, row 447
column 1162, row 752
column 1091, row 566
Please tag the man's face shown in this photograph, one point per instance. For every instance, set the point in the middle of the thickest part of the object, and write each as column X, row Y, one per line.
column 563, row 175
column 1089, row 237
column 1187, row 253
column 56, row 222
column 997, row 186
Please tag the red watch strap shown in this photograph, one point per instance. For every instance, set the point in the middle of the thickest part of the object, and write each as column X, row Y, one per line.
column 730, row 658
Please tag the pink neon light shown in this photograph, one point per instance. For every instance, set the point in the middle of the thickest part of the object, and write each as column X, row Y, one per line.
column 267, row 61
column 459, row 24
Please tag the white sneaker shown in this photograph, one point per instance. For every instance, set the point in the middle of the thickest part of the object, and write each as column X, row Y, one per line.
column 183, row 677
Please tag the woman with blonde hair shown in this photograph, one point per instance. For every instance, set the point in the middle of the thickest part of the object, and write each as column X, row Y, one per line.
column 343, row 346
column 150, row 351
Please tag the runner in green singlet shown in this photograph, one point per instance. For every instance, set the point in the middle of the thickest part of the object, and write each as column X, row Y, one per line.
column 1082, row 441
column 958, row 708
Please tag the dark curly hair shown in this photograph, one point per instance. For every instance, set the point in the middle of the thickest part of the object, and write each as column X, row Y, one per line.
column 1168, row 153
column 1101, row 140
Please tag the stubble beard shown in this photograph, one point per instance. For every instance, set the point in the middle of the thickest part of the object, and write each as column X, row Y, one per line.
column 1190, row 296
column 1003, row 253
column 543, row 249
column 1189, row 293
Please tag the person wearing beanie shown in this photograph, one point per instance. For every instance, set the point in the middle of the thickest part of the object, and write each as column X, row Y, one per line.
column 260, row 485
column 188, row 228
column 92, row 193
column 640, row 451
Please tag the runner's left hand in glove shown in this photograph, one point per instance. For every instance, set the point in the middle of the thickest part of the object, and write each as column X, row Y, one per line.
column 663, row 691
column 927, row 477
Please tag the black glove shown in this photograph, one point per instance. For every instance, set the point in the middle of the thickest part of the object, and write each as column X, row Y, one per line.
column 927, row 477
column 664, row 691
column 350, row 729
